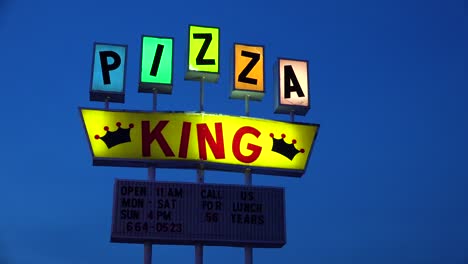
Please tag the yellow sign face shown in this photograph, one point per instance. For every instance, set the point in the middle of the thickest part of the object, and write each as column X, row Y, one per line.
column 248, row 64
column 191, row 140
column 203, row 54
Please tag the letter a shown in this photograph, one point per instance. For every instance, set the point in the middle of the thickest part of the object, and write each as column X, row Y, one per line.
column 290, row 76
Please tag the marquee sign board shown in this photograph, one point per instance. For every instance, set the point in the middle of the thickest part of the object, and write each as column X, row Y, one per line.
column 249, row 73
column 191, row 213
column 188, row 140
column 108, row 75
column 156, row 68
column 292, row 87
column 203, row 54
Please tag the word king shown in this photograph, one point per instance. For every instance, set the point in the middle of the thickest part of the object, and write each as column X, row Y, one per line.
column 191, row 140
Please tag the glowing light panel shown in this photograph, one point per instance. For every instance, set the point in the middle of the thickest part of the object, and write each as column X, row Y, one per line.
column 108, row 76
column 188, row 139
column 203, row 53
column 156, row 64
column 292, row 91
column 248, row 72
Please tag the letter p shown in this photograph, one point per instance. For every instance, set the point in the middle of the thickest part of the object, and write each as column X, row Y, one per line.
column 106, row 67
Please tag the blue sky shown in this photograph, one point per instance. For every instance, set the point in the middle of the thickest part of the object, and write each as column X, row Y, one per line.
column 387, row 179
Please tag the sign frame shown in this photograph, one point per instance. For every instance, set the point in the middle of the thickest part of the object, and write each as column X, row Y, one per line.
column 237, row 93
column 105, row 96
column 146, row 87
column 257, row 243
column 191, row 75
column 285, row 108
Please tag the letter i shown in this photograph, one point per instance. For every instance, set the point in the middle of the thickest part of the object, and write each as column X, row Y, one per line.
column 184, row 140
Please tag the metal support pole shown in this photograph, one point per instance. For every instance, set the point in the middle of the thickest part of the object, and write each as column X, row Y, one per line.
column 248, row 255
column 201, row 175
column 202, row 94
column 199, row 247
column 155, row 99
column 151, row 174
column 247, row 106
column 199, row 254
column 148, row 250
column 148, row 246
column 248, row 177
column 248, row 252
column 148, row 253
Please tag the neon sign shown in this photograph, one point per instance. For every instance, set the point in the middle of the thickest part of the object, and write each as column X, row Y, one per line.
column 186, row 140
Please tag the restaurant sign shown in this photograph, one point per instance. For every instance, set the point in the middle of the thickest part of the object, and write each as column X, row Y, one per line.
column 198, row 140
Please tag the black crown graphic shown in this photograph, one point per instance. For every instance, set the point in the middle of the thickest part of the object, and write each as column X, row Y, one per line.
column 283, row 148
column 119, row 136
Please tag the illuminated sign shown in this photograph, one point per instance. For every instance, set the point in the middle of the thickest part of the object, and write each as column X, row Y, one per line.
column 191, row 213
column 108, row 76
column 292, row 87
column 187, row 140
column 249, row 72
column 203, row 54
column 156, row 64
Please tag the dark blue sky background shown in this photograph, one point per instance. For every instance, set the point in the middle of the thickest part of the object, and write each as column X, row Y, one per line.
column 386, row 182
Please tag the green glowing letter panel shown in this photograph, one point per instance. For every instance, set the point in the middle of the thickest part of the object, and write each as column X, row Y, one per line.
column 156, row 64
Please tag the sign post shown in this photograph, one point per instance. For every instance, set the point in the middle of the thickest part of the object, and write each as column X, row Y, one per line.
column 199, row 246
column 248, row 251
column 148, row 246
column 203, row 65
column 248, row 83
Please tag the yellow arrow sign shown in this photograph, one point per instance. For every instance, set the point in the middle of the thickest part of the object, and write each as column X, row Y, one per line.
column 187, row 140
